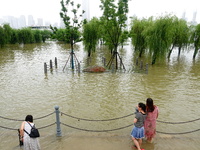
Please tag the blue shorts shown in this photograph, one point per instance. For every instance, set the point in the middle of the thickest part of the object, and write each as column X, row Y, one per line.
column 137, row 133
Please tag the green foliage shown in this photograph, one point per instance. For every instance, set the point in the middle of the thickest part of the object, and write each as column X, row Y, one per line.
column 124, row 37
column 7, row 33
column 195, row 39
column 26, row 36
column 137, row 34
column 14, row 36
column 181, row 34
column 37, row 36
column 159, row 37
column 113, row 21
column 72, row 24
column 2, row 39
column 91, row 35
column 46, row 34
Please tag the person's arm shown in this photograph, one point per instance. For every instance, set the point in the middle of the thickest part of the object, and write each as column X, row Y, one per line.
column 157, row 113
column 135, row 120
column 22, row 129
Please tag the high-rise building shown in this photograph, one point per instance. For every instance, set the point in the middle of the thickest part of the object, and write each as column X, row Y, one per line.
column 40, row 22
column 184, row 16
column 194, row 18
column 31, row 21
column 22, row 21
column 86, row 8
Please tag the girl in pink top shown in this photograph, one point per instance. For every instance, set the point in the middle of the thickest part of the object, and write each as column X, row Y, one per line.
column 150, row 121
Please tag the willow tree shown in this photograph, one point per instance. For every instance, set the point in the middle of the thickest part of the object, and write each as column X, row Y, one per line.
column 91, row 35
column 114, row 22
column 159, row 37
column 72, row 24
column 195, row 39
column 2, row 40
column 26, row 36
column 138, row 38
column 180, row 36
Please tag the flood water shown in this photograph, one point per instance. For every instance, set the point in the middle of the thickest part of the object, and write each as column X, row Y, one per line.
column 25, row 89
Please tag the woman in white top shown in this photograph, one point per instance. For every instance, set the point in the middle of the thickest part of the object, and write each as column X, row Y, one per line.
column 29, row 143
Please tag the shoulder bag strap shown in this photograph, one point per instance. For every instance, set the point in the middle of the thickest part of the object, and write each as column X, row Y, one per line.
column 30, row 125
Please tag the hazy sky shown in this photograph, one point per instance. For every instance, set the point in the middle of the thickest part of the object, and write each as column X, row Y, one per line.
column 49, row 9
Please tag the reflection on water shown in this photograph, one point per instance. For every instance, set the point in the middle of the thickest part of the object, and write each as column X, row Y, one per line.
column 173, row 85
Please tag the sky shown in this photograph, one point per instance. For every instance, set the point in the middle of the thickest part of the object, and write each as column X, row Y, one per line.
column 49, row 9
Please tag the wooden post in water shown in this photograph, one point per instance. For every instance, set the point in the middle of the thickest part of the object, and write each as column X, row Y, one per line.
column 137, row 62
column 79, row 68
column 113, row 68
column 104, row 61
column 56, row 64
column 141, row 64
column 147, row 67
column 51, row 65
column 45, row 68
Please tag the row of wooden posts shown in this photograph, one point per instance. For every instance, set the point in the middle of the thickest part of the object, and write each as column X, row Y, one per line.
column 140, row 65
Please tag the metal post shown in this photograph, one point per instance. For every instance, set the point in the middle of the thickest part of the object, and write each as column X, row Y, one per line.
column 58, row 133
column 45, row 68
column 147, row 68
column 141, row 64
column 79, row 68
column 113, row 68
column 137, row 62
column 56, row 64
column 104, row 61
column 51, row 65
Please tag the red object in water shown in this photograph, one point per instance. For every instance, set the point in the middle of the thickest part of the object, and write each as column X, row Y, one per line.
column 95, row 69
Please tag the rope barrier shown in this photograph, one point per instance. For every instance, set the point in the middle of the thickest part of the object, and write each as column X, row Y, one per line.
column 37, row 128
column 125, row 117
column 23, row 120
column 178, row 133
column 78, row 118
column 44, row 116
column 178, row 122
column 96, row 130
column 94, row 119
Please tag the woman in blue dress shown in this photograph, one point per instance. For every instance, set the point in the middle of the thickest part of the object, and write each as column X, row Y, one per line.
column 138, row 130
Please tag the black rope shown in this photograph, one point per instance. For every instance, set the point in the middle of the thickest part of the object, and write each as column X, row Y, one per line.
column 8, row 128
column 96, row 130
column 23, row 120
column 37, row 128
column 44, row 116
column 94, row 119
column 178, row 122
column 125, row 117
column 47, row 126
column 178, row 133
column 124, row 128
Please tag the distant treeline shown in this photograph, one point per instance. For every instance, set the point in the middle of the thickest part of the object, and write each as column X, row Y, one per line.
column 9, row 35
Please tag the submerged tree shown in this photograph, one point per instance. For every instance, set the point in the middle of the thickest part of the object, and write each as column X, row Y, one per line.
column 180, row 36
column 91, row 35
column 137, row 35
column 159, row 37
column 114, row 22
column 195, row 39
column 72, row 24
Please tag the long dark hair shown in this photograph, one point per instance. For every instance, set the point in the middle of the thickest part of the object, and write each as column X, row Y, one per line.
column 149, row 105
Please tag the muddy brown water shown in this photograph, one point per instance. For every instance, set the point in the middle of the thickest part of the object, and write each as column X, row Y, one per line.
column 24, row 89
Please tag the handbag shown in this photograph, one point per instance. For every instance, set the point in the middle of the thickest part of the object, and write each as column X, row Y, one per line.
column 34, row 131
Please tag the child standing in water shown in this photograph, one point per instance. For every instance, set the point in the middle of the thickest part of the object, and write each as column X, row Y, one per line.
column 138, row 129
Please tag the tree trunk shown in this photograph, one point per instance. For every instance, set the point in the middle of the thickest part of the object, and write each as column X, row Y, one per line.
column 195, row 53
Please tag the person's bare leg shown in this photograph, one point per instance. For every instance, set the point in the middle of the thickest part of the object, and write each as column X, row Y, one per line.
column 136, row 143
column 140, row 142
